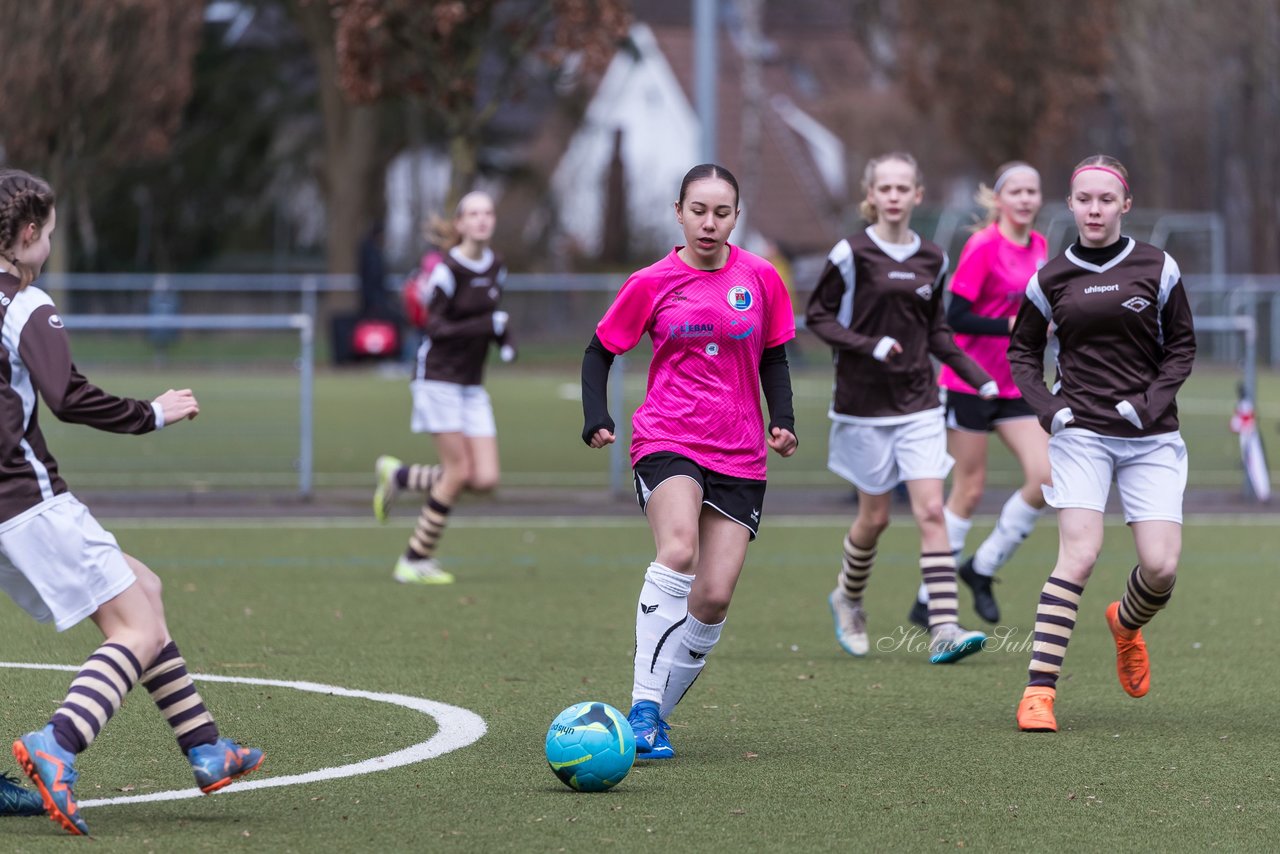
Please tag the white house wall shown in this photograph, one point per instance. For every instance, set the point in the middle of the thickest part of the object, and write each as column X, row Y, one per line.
column 641, row 96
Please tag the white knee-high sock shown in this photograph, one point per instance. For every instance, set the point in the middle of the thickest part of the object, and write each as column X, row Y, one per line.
column 957, row 531
column 660, row 621
column 696, row 644
column 1017, row 521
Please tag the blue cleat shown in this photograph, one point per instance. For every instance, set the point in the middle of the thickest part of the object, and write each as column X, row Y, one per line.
column 16, row 800
column 662, row 748
column 218, row 764
column 53, row 771
column 950, row 643
column 650, row 731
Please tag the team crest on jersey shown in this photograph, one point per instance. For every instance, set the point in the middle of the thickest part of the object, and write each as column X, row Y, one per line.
column 1136, row 303
column 740, row 298
column 55, row 321
column 925, row 292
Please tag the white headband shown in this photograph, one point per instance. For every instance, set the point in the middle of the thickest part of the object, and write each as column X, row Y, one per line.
column 1021, row 167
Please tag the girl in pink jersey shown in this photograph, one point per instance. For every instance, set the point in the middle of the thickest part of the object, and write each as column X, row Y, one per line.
column 718, row 318
column 56, row 562
column 878, row 303
column 986, row 291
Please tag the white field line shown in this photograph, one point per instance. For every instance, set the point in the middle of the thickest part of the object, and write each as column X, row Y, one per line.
column 458, row 728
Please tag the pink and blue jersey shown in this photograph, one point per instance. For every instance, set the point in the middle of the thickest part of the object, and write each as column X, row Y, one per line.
column 992, row 273
column 709, row 330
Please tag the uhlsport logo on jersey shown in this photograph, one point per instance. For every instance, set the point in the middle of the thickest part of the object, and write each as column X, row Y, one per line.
column 740, row 298
column 1136, row 303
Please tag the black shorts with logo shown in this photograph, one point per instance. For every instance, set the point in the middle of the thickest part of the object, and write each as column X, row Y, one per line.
column 972, row 414
column 740, row 499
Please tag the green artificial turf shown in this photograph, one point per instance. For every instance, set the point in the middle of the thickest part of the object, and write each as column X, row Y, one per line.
column 784, row 744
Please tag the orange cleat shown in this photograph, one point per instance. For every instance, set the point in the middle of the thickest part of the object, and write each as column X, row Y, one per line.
column 1035, row 712
column 1132, row 664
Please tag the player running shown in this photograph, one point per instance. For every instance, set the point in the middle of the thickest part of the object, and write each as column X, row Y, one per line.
column 56, row 562
column 878, row 303
column 718, row 318
column 1125, row 346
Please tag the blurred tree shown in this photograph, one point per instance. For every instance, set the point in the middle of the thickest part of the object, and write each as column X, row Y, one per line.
column 1200, row 104
column 351, row 175
column 239, row 187
column 92, row 86
column 1011, row 76
column 464, row 61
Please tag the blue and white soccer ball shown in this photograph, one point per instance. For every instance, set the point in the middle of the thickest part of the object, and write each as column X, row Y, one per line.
column 590, row 747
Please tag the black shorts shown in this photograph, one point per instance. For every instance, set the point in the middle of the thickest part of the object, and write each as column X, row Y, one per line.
column 740, row 499
column 971, row 414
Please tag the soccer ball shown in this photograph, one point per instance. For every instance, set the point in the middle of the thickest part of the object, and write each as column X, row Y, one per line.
column 590, row 747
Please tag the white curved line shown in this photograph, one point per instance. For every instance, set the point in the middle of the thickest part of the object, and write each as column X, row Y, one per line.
column 458, row 728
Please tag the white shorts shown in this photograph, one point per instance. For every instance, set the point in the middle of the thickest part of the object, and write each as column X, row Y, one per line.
column 876, row 458
column 451, row 408
column 1151, row 473
column 57, row 563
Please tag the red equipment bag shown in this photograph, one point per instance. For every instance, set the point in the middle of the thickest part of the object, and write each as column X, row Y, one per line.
column 414, row 289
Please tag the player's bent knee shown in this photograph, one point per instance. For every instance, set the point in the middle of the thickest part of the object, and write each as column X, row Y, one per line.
column 1162, row 573
column 483, row 484
column 678, row 556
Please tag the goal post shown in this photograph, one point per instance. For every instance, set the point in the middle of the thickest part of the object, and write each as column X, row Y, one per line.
column 302, row 323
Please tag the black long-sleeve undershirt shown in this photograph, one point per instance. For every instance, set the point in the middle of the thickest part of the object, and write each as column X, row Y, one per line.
column 596, row 362
column 961, row 318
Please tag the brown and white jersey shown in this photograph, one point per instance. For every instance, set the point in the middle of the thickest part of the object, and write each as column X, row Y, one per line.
column 1126, row 342
column 35, row 364
column 461, row 296
column 871, row 291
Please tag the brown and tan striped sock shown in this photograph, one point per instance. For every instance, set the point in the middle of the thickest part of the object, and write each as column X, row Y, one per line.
column 1141, row 601
column 855, row 569
column 1055, row 621
column 939, row 572
column 427, row 530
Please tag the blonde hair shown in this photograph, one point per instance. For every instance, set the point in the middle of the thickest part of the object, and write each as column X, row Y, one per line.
column 442, row 232
column 1108, row 164
column 868, row 210
column 986, row 196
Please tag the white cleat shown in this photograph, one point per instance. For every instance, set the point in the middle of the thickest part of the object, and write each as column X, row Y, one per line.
column 851, row 623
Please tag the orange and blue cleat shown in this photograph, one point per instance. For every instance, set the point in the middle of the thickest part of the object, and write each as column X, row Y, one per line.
column 53, row 771
column 218, row 764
